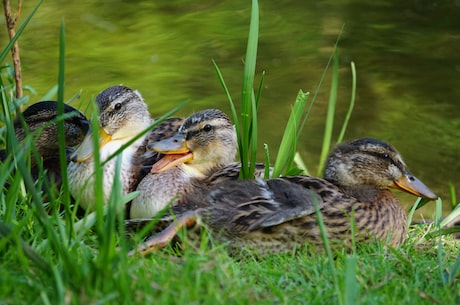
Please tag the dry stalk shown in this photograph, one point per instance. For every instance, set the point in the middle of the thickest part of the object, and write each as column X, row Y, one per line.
column 11, row 24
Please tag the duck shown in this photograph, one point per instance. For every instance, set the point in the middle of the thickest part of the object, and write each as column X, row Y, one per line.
column 123, row 115
column 144, row 159
column 279, row 214
column 39, row 119
column 205, row 142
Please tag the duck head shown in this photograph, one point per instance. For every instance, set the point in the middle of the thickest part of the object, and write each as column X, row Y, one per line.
column 123, row 114
column 372, row 162
column 206, row 140
column 40, row 118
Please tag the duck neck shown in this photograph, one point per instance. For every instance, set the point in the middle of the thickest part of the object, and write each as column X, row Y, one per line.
column 364, row 193
column 195, row 171
column 131, row 130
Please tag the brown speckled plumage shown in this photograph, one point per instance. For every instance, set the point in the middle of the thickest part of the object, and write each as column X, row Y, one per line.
column 278, row 214
column 38, row 119
column 123, row 115
column 144, row 158
column 210, row 137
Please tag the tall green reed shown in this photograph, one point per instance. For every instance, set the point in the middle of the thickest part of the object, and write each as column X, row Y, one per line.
column 246, row 125
column 286, row 161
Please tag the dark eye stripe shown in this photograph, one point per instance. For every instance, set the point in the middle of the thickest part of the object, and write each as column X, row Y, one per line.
column 387, row 157
column 380, row 155
column 205, row 128
column 191, row 134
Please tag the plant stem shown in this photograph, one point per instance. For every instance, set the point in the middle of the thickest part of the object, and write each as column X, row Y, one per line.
column 10, row 24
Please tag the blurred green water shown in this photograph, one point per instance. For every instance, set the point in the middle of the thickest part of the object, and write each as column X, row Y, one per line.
column 407, row 56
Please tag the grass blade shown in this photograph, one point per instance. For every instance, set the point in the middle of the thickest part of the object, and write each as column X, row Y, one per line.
column 267, row 162
column 454, row 270
column 330, row 113
column 287, row 147
column 5, row 231
column 236, row 121
column 248, row 117
column 452, row 215
column 352, row 103
column 350, row 291
column 412, row 211
column 61, row 132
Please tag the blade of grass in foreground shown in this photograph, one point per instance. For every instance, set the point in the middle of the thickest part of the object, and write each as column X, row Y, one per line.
column 412, row 211
column 107, row 236
column 452, row 215
column 65, row 198
column 327, row 247
column 28, row 251
column 455, row 205
column 350, row 290
column 454, row 270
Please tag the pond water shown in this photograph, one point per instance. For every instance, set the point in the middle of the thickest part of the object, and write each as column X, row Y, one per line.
column 407, row 55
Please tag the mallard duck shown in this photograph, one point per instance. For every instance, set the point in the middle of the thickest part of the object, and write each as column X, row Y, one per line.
column 205, row 142
column 279, row 214
column 144, row 158
column 38, row 119
column 123, row 115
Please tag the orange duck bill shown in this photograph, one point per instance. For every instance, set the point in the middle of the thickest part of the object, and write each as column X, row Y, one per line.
column 414, row 186
column 85, row 151
column 176, row 151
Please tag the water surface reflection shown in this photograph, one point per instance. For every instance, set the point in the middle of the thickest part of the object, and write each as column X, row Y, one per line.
column 407, row 56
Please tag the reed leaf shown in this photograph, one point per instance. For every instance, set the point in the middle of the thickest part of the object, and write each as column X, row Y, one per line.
column 351, row 105
column 287, row 147
column 330, row 113
column 248, row 132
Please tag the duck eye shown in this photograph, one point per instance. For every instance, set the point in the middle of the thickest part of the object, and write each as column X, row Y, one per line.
column 385, row 155
column 117, row 106
column 207, row 128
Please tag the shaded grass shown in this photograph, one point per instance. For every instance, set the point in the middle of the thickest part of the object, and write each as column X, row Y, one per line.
column 50, row 257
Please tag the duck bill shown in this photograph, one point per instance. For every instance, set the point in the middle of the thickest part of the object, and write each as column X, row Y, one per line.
column 412, row 185
column 86, row 150
column 169, row 161
column 176, row 151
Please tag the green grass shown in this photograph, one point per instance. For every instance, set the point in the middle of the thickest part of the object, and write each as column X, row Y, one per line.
column 48, row 256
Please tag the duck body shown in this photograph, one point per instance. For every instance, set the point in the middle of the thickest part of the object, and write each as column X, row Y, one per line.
column 158, row 191
column 144, row 158
column 81, row 174
column 205, row 142
column 38, row 119
column 281, row 213
column 123, row 115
